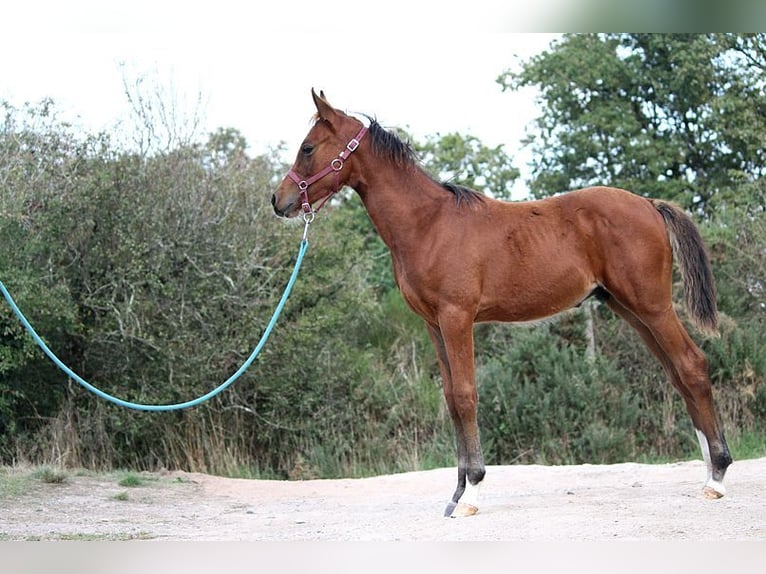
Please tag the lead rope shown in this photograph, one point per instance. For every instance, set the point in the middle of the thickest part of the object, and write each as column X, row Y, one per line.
column 308, row 218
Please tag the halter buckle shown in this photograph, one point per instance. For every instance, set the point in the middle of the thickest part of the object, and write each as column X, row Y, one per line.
column 305, row 205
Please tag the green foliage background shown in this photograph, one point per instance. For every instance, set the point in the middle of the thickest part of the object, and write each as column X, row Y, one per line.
column 152, row 272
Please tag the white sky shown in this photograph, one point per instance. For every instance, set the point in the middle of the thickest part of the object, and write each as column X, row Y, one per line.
column 254, row 66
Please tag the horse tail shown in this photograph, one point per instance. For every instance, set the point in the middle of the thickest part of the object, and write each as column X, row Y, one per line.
column 694, row 263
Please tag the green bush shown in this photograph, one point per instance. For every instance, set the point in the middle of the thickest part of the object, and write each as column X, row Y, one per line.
column 543, row 401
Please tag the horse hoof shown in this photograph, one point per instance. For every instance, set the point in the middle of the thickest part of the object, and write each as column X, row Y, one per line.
column 711, row 493
column 714, row 489
column 463, row 509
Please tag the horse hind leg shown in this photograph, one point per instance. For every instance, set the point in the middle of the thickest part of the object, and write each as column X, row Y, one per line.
column 696, row 389
column 686, row 368
column 714, row 486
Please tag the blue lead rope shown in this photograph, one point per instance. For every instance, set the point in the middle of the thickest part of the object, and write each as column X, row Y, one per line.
column 177, row 406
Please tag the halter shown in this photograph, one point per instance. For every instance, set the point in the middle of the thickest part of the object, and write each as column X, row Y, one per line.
column 335, row 166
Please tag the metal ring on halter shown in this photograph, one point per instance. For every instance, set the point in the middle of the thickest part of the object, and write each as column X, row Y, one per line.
column 336, row 162
column 302, row 185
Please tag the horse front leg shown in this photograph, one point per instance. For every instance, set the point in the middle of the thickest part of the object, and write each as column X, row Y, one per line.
column 453, row 341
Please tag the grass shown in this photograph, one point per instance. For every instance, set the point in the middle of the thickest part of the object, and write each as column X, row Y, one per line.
column 20, row 480
column 88, row 537
column 748, row 445
column 83, row 537
column 131, row 480
column 49, row 475
column 16, row 481
column 11, row 483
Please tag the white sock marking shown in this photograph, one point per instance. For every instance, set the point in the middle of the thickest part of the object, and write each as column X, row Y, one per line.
column 711, row 482
column 471, row 494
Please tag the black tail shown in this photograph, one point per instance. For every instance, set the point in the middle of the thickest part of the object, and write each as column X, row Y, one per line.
column 694, row 263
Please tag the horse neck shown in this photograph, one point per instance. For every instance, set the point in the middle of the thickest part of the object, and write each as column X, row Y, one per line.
column 400, row 200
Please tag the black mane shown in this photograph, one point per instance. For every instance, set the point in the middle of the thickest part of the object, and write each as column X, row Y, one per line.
column 391, row 147
column 461, row 192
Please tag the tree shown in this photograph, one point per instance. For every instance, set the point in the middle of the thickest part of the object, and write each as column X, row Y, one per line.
column 465, row 160
column 677, row 116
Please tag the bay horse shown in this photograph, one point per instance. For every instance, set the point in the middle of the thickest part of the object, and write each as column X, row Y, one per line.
column 460, row 257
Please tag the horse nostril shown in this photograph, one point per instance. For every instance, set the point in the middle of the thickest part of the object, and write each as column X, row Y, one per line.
column 273, row 200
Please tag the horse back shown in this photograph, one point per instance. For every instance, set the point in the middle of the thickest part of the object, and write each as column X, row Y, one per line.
column 546, row 256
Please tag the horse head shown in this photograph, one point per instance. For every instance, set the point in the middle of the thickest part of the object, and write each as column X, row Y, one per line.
column 319, row 170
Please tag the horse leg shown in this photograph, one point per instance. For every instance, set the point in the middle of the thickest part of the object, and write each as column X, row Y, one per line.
column 444, row 367
column 686, row 368
column 453, row 342
column 692, row 368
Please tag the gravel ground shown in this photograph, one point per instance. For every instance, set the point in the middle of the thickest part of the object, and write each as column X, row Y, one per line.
column 519, row 503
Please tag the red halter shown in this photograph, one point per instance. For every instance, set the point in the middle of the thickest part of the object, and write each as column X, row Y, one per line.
column 335, row 166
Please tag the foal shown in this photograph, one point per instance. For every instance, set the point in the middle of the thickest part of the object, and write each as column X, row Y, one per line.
column 461, row 258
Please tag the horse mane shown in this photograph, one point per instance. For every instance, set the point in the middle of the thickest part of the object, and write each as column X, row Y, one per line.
column 388, row 145
column 461, row 192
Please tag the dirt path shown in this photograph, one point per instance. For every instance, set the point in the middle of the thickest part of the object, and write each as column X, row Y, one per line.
column 623, row 501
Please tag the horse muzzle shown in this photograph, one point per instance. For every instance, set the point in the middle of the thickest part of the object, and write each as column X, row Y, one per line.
column 285, row 204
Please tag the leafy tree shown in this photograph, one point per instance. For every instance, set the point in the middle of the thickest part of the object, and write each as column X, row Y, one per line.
column 676, row 116
column 36, row 149
column 465, row 160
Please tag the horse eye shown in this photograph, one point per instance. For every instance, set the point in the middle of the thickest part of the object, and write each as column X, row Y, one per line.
column 307, row 149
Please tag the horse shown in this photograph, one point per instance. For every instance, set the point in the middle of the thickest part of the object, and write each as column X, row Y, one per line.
column 460, row 257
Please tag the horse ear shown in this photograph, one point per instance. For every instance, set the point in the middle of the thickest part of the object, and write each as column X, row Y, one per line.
column 324, row 109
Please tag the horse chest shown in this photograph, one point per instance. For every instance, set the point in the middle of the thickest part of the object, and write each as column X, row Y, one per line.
column 412, row 296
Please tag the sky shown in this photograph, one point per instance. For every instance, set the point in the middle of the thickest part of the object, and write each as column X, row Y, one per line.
column 249, row 68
